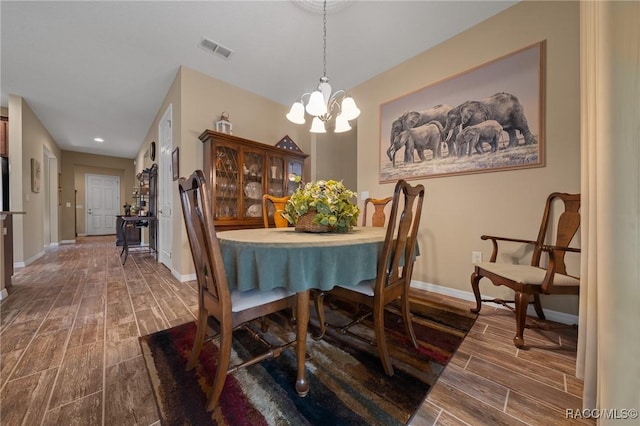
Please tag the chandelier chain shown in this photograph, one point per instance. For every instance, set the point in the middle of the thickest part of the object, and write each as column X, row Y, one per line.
column 324, row 39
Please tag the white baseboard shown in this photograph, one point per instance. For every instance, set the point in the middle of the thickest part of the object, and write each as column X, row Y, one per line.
column 18, row 265
column 68, row 242
column 4, row 294
column 54, row 244
column 82, row 235
column 183, row 278
column 561, row 317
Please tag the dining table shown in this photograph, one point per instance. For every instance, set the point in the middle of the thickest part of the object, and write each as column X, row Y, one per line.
column 268, row 258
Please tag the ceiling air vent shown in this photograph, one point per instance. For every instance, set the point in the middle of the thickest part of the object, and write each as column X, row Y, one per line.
column 215, row 48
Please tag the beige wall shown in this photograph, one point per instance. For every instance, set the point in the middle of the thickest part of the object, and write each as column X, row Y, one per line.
column 334, row 156
column 28, row 139
column 458, row 209
column 197, row 101
column 75, row 165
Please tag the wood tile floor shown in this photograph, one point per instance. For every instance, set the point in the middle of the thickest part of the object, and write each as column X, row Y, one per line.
column 70, row 355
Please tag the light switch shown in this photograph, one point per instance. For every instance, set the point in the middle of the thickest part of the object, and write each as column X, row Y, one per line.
column 364, row 195
column 68, row 204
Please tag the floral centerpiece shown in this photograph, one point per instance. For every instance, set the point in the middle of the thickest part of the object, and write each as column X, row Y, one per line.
column 325, row 204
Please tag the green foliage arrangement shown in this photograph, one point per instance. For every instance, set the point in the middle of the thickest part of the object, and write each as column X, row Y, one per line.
column 331, row 201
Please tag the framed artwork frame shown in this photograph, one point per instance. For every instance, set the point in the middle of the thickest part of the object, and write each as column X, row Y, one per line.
column 175, row 163
column 489, row 118
column 35, row 175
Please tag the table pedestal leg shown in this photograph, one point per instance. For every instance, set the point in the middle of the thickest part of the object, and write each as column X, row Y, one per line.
column 302, row 322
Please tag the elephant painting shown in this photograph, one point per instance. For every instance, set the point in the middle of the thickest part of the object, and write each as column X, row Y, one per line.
column 428, row 136
column 471, row 137
column 412, row 119
column 501, row 107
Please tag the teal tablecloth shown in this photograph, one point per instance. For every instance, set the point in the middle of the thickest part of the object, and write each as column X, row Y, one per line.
column 282, row 257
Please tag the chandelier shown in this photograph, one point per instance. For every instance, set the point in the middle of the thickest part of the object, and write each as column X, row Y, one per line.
column 321, row 103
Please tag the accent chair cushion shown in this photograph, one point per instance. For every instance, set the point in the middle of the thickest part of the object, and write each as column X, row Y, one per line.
column 526, row 274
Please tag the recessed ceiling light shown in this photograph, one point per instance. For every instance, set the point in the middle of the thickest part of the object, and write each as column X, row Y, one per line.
column 98, row 139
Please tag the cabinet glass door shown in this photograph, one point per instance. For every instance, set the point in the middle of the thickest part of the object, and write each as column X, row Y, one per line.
column 225, row 203
column 276, row 177
column 252, row 181
column 294, row 169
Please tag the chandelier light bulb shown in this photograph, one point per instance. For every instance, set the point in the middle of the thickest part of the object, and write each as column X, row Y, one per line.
column 342, row 124
column 349, row 109
column 296, row 113
column 317, row 126
column 316, row 105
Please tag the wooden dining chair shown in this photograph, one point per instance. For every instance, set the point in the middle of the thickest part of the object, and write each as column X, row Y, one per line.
column 378, row 217
column 275, row 204
column 231, row 309
column 530, row 281
column 395, row 267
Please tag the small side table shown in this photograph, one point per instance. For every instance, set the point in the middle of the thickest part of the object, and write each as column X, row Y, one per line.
column 134, row 221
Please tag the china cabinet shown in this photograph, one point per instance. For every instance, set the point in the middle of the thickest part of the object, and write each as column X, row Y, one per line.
column 240, row 171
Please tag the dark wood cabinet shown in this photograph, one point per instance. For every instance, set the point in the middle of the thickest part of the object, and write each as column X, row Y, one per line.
column 240, row 171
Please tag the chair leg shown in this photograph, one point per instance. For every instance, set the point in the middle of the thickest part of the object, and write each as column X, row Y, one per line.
column 226, row 336
column 522, row 301
column 406, row 317
column 381, row 341
column 538, row 306
column 201, row 331
column 475, row 285
column 318, row 301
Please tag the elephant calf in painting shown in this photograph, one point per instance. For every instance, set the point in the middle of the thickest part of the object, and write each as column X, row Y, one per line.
column 471, row 137
column 428, row 136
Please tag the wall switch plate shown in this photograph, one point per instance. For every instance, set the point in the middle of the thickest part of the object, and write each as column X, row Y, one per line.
column 364, row 195
column 476, row 256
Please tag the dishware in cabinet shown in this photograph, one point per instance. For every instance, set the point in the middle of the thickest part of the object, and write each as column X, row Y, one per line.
column 226, row 179
column 276, row 176
column 252, row 181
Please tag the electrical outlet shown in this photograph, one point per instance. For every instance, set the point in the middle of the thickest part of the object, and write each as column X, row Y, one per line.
column 476, row 256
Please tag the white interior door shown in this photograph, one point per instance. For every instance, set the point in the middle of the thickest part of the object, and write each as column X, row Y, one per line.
column 103, row 199
column 51, row 198
column 165, row 189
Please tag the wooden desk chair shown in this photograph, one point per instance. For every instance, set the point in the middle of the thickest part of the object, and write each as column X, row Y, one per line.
column 378, row 217
column 231, row 309
column 275, row 204
column 534, row 279
column 395, row 267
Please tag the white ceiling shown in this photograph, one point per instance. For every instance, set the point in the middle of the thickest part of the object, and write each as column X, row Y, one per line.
column 102, row 68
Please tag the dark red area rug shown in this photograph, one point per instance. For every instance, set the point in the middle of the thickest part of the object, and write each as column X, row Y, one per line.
column 347, row 383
